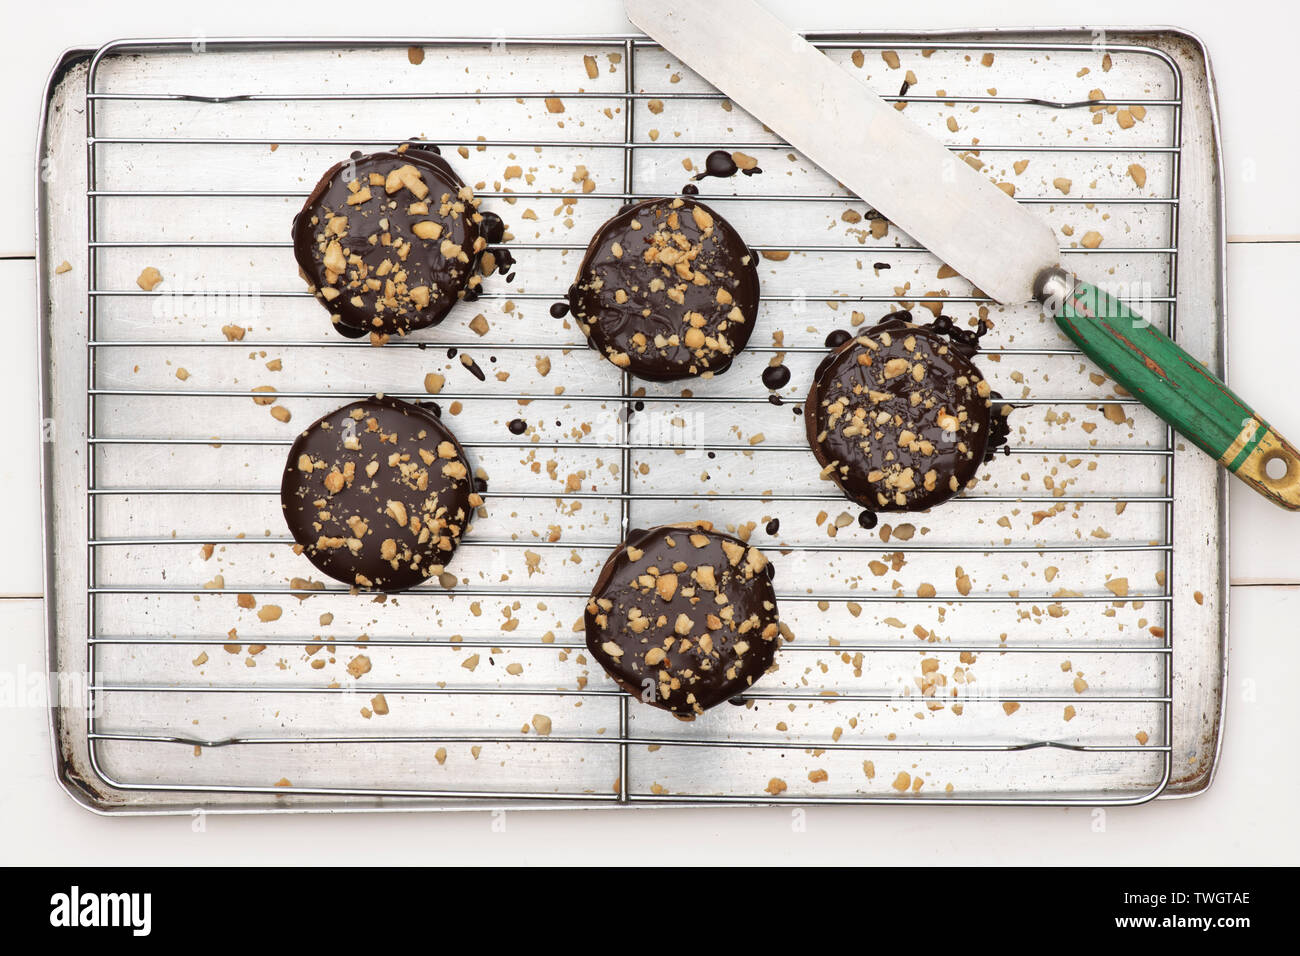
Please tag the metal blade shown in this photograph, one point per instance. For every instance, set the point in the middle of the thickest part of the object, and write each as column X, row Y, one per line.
column 855, row 136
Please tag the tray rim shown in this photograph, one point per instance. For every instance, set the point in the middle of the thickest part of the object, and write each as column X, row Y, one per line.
column 98, row 801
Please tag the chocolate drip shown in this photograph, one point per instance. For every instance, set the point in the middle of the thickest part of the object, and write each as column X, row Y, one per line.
column 999, row 428
column 837, row 338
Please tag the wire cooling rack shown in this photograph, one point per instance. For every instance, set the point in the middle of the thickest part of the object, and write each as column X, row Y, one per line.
column 1014, row 646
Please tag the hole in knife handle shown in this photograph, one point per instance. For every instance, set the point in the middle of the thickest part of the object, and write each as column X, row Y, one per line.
column 1273, row 470
column 1276, row 467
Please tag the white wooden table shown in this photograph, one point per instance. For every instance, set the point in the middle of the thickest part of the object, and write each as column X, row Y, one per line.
column 1244, row 818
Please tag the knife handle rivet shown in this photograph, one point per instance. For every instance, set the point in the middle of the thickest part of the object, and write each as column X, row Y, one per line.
column 1053, row 286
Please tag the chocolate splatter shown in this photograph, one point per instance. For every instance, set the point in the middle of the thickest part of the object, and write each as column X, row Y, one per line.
column 966, row 341
column 776, row 376
column 719, row 164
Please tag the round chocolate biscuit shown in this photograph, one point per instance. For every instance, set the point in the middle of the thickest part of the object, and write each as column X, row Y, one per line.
column 390, row 241
column 667, row 290
column 684, row 617
column 898, row 417
column 378, row 494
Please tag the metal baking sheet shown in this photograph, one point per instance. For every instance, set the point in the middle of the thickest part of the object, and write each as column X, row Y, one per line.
column 193, row 158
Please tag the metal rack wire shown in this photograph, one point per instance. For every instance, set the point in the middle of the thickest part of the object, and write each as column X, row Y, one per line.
column 137, row 434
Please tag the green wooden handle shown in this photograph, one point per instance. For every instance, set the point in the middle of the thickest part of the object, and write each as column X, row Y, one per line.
column 1180, row 390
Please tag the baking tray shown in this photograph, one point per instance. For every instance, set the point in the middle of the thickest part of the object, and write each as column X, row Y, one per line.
column 192, row 157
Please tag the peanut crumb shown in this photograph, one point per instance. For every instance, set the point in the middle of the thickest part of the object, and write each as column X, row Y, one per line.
column 149, row 279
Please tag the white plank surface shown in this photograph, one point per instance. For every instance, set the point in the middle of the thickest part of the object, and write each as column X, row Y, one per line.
column 1264, row 539
column 1238, row 821
column 20, row 472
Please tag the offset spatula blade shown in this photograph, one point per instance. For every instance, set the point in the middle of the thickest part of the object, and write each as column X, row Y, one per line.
column 855, row 136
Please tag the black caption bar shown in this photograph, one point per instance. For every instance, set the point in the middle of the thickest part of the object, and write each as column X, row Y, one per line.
column 138, row 906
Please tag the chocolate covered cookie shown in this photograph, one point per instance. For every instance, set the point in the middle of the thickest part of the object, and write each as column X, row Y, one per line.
column 378, row 494
column 898, row 417
column 684, row 617
column 667, row 290
column 390, row 241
